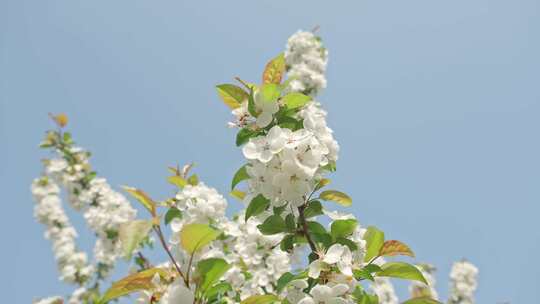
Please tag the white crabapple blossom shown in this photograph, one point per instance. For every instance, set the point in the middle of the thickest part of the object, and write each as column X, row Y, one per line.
column 306, row 61
column 257, row 255
column 324, row 294
column 463, row 283
column 72, row 263
column 337, row 254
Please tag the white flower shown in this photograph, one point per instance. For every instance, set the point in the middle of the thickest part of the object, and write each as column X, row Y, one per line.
column 263, row 148
column 266, row 108
column 177, row 293
column 293, row 182
column 325, row 294
column 463, row 283
column 337, row 254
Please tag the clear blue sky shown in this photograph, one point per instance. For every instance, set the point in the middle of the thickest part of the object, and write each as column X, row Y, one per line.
column 436, row 105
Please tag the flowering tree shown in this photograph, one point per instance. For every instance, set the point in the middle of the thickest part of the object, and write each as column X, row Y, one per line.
column 249, row 258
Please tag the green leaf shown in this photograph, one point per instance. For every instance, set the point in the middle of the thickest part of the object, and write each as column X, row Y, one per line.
column 232, row 95
column 132, row 283
column 143, row 198
column 272, row 225
column 336, row 196
column 343, row 228
column 402, row 271
column 295, row 100
column 315, row 227
column 244, row 135
column 210, row 271
column 374, row 241
column 237, row 194
column 323, row 182
column 171, row 214
column 261, row 299
column 239, row 176
column 257, row 205
column 193, row 180
column 366, row 273
column 422, row 300
column 251, row 103
column 289, row 221
column 177, row 181
column 195, row 236
column 132, row 233
column 313, row 209
column 274, row 70
column 270, row 92
column 287, row 243
column 218, row 289
column 285, row 279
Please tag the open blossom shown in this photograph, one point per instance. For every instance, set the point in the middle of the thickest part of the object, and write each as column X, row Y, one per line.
column 323, row 294
column 266, row 108
column 337, row 254
column 263, row 148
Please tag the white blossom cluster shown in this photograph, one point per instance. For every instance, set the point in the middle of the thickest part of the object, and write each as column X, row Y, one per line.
column 463, row 283
column 103, row 208
column 306, row 61
column 244, row 246
column 72, row 263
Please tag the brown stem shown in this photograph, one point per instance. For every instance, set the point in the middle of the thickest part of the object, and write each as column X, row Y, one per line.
column 158, row 231
column 146, row 263
column 305, row 231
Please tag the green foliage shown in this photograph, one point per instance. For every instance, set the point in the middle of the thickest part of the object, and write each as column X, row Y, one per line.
column 343, row 228
column 143, row 198
column 314, row 208
column 239, row 176
column 132, row 233
column 209, row 272
column 193, row 237
column 245, row 134
column 336, row 196
column 261, row 299
column 177, row 181
column 272, row 225
column 257, row 205
column 401, row 270
column 374, row 241
column 422, row 300
column 232, row 95
column 171, row 214
column 295, row 100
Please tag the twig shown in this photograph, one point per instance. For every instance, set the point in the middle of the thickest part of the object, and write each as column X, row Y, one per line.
column 158, row 231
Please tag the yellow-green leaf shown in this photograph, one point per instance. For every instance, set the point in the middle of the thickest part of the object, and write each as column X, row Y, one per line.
column 323, row 182
column 232, row 95
column 401, row 270
column 261, row 299
column 295, row 100
column 336, row 196
column 195, row 236
column 393, row 247
column 177, row 181
column 274, row 70
column 143, row 198
column 422, row 300
column 135, row 282
column 374, row 241
column 132, row 233
column 193, row 180
column 237, row 194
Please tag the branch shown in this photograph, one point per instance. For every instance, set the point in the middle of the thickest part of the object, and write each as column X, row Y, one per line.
column 158, row 231
column 305, row 231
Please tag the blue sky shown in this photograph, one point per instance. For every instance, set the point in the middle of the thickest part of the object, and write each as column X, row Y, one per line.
column 436, row 105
